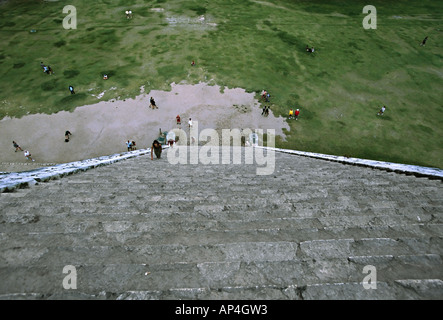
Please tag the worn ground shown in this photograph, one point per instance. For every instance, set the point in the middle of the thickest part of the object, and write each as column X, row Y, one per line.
column 253, row 45
column 103, row 128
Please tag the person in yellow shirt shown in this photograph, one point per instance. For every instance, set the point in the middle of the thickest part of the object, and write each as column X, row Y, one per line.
column 291, row 114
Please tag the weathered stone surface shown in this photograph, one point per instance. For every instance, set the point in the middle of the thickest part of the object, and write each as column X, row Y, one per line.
column 142, row 229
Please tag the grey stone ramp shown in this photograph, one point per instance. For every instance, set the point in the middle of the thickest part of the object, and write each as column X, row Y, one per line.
column 142, row 229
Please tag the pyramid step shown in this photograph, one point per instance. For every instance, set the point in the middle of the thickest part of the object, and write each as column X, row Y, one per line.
column 431, row 289
column 89, row 250
column 186, row 220
column 124, row 233
column 153, row 254
column 373, row 246
column 161, row 277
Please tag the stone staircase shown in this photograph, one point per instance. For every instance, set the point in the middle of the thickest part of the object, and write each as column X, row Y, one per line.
column 142, row 229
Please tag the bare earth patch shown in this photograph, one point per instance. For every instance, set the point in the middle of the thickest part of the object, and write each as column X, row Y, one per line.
column 102, row 128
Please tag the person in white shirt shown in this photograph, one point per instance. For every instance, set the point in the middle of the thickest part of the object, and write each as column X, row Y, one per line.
column 28, row 155
column 382, row 110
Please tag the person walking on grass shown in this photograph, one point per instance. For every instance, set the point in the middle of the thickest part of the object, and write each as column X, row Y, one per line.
column 263, row 94
column 382, row 111
column 291, row 114
column 71, row 88
column 309, row 49
column 157, row 149
column 16, row 146
column 297, row 112
column 423, row 43
column 28, row 155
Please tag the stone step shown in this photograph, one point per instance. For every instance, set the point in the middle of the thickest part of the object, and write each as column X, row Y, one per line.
column 188, row 220
column 186, row 212
column 230, row 252
column 373, row 246
column 302, row 192
column 232, row 200
column 66, row 220
column 111, row 204
column 73, row 251
column 405, row 289
column 254, row 182
column 160, row 277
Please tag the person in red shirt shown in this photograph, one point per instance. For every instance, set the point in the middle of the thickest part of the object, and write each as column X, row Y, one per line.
column 263, row 94
column 178, row 120
column 297, row 112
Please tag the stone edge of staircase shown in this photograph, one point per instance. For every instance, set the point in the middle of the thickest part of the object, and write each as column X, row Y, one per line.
column 418, row 171
column 17, row 180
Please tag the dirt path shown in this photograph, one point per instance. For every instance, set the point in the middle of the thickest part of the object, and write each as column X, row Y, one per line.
column 102, row 128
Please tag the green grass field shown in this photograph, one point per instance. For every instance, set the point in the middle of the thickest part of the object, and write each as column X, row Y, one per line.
column 250, row 44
